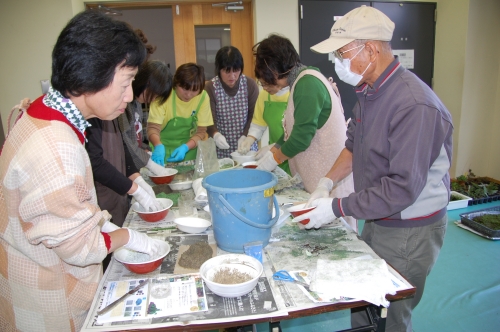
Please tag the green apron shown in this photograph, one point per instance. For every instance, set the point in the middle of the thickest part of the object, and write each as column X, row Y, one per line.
column 179, row 130
column 273, row 115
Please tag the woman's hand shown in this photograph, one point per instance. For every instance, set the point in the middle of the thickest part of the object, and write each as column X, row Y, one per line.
column 245, row 144
column 221, row 141
column 158, row 155
column 179, row 154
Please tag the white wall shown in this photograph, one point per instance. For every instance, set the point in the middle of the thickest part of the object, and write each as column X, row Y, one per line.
column 276, row 16
column 478, row 142
column 29, row 32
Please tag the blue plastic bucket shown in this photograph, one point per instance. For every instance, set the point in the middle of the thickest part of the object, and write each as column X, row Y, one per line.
column 241, row 203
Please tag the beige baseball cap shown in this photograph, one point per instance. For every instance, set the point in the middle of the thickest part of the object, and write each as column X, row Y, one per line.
column 361, row 23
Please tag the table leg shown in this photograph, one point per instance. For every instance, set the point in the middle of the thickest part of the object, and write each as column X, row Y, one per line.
column 275, row 327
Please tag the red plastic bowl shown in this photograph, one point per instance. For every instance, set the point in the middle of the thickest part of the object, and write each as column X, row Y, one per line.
column 164, row 179
column 250, row 164
column 153, row 216
column 123, row 256
column 298, row 210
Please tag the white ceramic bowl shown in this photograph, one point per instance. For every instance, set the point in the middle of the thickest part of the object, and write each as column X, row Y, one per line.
column 181, row 185
column 133, row 262
column 250, row 156
column 242, row 263
column 224, row 162
column 192, row 225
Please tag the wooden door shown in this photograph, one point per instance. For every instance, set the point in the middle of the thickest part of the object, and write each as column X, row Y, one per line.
column 191, row 15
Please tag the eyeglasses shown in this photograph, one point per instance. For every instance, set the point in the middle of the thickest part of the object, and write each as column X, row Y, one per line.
column 338, row 54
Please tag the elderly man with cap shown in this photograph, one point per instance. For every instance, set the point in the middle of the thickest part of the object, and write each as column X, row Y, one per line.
column 399, row 149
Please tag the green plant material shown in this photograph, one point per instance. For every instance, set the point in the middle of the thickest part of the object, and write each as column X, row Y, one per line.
column 455, row 198
column 161, row 195
column 226, row 166
column 492, row 221
column 174, row 197
column 181, row 169
column 472, row 186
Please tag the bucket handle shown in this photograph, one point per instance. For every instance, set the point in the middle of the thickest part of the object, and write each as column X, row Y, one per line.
column 248, row 221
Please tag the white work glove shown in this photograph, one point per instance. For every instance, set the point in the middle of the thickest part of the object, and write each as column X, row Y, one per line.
column 262, row 152
column 321, row 215
column 109, row 227
column 241, row 139
column 245, row 144
column 220, row 141
column 256, row 131
column 142, row 183
column 325, row 185
column 142, row 243
column 148, row 202
column 267, row 163
column 156, row 169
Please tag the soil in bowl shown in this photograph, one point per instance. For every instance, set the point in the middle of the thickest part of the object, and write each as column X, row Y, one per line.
column 196, row 255
column 229, row 276
column 139, row 257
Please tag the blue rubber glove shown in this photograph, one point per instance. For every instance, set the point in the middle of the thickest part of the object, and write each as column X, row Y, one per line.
column 179, row 154
column 158, row 155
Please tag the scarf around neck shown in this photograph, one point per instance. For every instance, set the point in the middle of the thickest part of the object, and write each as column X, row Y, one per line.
column 294, row 73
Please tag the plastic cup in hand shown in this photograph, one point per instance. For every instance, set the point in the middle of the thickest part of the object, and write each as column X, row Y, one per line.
column 185, row 206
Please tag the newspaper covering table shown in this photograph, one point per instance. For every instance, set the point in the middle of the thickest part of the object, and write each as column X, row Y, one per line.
column 291, row 248
column 259, row 303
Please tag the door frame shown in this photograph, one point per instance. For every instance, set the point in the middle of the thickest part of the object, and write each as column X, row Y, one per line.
column 200, row 12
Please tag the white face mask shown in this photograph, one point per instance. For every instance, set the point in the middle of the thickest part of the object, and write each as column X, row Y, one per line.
column 343, row 70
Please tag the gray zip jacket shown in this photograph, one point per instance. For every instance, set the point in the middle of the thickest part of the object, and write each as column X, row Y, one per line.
column 401, row 140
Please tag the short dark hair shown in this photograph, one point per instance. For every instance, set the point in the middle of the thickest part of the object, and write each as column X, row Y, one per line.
column 275, row 56
column 228, row 58
column 89, row 49
column 153, row 78
column 190, row 76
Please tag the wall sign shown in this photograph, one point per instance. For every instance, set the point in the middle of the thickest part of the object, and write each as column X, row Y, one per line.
column 406, row 57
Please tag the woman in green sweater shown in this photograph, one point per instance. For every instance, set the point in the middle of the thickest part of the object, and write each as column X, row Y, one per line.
column 313, row 123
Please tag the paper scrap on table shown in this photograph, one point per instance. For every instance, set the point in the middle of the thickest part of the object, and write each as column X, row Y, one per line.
column 133, row 307
column 362, row 279
column 200, row 192
column 187, row 296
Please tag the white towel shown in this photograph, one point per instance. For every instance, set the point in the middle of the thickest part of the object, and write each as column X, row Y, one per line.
column 199, row 192
column 361, row 279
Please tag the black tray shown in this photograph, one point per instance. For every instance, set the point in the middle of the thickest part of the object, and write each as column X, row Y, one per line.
column 466, row 219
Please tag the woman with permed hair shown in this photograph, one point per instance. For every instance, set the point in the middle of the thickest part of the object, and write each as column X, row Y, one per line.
column 53, row 234
column 232, row 100
column 176, row 126
column 313, row 122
